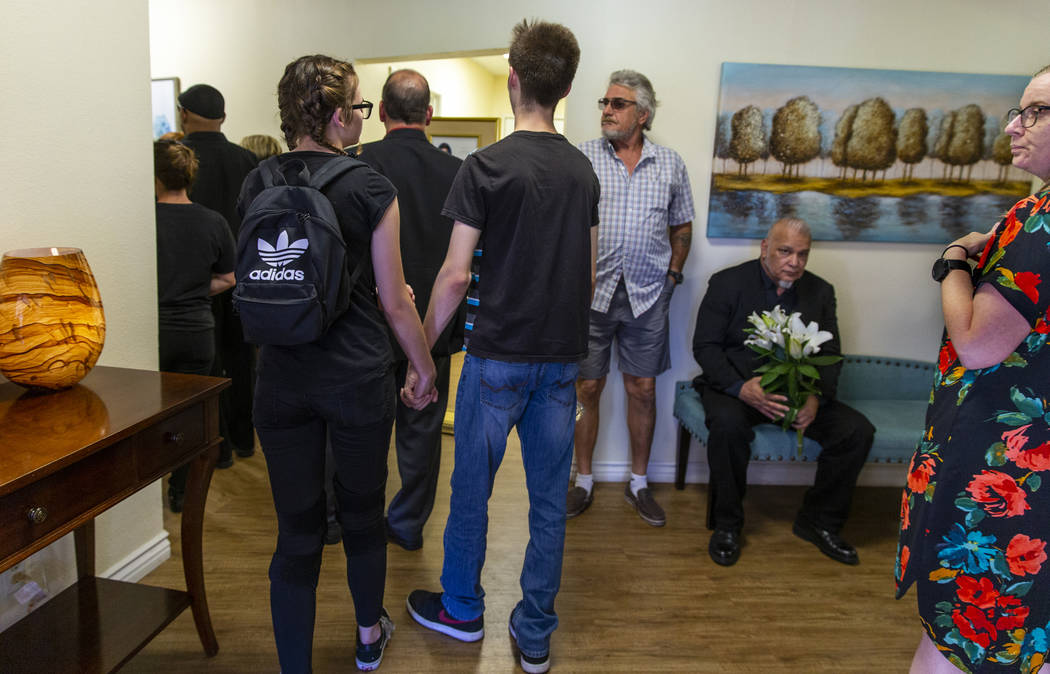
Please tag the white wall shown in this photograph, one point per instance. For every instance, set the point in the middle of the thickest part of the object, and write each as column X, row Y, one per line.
column 887, row 303
column 77, row 171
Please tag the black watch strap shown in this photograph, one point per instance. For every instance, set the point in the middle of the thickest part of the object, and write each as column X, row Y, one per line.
column 676, row 275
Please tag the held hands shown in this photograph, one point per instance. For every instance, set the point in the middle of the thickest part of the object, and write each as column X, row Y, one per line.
column 419, row 390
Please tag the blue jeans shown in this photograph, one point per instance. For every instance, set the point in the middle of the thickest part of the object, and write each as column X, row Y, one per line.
column 493, row 397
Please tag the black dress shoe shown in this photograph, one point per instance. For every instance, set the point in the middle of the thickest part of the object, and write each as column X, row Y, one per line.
column 827, row 542
column 724, row 547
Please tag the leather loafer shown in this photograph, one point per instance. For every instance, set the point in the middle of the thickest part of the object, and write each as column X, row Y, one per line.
column 827, row 542
column 724, row 547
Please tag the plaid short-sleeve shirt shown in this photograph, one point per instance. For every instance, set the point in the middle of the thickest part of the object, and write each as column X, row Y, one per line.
column 635, row 211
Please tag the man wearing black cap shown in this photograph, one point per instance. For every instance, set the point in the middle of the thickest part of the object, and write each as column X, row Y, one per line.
column 223, row 166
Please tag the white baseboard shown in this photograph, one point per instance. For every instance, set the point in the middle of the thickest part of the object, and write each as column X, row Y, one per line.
column 142, row 560
column 759, row 472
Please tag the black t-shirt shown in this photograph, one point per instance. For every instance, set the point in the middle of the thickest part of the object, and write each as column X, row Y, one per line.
column 534, row 197
column 356, row 343
column 193, row 242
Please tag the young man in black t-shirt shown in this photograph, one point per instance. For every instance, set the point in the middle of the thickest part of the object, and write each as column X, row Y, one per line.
column 530, row 202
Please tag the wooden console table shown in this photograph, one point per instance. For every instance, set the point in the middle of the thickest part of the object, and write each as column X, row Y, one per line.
column 69, row 455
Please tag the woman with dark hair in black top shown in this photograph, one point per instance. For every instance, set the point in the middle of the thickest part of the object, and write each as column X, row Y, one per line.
column 342, row 385
column 195, row 260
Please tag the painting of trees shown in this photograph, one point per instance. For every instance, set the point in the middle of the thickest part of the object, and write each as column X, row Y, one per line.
column 747, row 141
column 887, row 135
column 911, row 140
column 795, row 137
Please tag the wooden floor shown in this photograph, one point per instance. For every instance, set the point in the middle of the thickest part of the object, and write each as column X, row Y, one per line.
column 633, row 599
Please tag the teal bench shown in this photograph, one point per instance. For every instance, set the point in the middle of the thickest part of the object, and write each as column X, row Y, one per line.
column 891, row 392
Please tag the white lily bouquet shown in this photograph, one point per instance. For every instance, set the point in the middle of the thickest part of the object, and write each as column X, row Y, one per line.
column 789, row 347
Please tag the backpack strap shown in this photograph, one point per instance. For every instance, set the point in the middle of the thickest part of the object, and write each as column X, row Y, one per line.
column 333, row 169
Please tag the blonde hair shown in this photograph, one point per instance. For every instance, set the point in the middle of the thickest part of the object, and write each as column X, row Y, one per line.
column 261, row 145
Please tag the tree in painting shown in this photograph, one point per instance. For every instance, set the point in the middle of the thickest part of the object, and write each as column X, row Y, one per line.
column 748, row 142
column 965, row 145
column 843, row 130
column 873, row 138
column 795, row 138
column 911, row 140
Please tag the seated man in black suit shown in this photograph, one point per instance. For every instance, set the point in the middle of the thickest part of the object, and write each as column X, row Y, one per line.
column 734, row 402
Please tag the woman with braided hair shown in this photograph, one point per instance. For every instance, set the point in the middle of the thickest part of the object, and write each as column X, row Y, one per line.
column 342, row 385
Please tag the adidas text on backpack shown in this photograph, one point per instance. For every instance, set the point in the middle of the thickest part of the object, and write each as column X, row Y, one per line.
column 292, row 271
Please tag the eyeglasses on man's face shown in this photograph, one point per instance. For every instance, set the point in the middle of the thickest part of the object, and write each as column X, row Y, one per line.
column 615, row 103
column 365, row 107
column 1029, row 116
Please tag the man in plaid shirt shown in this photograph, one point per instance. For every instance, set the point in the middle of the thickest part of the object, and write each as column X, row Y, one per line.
column 644, row 233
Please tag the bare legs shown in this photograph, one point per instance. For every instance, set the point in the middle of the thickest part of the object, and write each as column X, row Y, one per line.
column 641, row 419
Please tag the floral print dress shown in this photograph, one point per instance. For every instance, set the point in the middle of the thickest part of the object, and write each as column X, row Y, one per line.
column 975, row 515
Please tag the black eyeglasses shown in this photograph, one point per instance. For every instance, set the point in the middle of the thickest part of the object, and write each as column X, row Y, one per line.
column 1029, row 116
column 615, row 103
column 365, row 107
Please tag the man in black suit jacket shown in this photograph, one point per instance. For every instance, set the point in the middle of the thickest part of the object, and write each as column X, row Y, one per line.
column 422, row 175
column 734, row 402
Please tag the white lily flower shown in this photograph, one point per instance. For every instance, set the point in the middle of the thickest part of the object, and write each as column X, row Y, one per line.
column 794, row 347
column 760, row 342
column 812, row 345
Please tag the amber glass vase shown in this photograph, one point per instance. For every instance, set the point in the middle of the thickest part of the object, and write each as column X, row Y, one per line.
column 51, row 323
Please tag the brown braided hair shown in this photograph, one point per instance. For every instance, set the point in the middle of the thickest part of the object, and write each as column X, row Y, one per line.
column 311, row 89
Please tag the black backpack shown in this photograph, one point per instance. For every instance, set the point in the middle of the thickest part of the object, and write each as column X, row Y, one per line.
column 292, row 271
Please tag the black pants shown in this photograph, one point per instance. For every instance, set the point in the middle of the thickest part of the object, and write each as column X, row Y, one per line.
column 418, row 442
column 187, row 353
column 844, row 434
column 293, row 427
column 234, row 358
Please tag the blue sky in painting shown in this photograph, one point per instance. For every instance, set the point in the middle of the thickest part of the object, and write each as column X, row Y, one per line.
column 835, row 89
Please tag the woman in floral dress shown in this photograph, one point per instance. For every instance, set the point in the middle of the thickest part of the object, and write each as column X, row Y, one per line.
column 975, row 516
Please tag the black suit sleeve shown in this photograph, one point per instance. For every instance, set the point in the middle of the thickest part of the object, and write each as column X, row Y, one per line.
column 713, row 325
column 828, row 320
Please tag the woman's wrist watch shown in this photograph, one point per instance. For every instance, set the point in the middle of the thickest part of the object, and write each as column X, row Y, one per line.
column 942, row 266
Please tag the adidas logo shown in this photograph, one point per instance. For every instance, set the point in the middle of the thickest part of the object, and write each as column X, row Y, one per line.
column 278, row 256
column 283, row 252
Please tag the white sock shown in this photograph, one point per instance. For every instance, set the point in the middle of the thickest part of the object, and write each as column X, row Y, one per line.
column 638, row 482
column 585, row 481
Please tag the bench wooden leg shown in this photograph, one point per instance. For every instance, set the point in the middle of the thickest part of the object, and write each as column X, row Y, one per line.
column 684, row 438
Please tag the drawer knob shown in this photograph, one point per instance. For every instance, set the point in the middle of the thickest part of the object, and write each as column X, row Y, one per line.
column 173, row 436
column 37, row 514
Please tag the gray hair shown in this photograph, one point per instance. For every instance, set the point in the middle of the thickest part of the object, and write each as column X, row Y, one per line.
column 643, row 90
column 792, row 224
column 1042, row 71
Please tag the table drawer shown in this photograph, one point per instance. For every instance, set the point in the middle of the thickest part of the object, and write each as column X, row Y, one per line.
column 167, row 444
column 39, row 508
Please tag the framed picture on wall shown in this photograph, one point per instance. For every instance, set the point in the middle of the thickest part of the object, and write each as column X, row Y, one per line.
column 862, row 154
column 165, row 96
column 463, row 135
